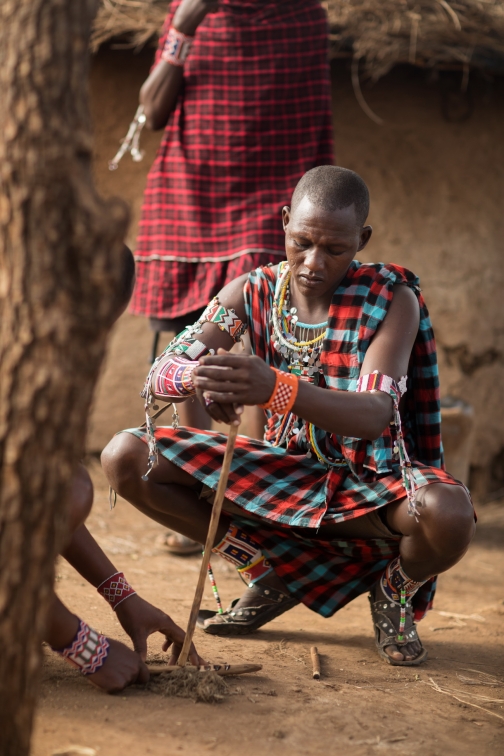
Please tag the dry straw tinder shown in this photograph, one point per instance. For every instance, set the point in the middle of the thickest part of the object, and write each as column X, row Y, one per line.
column 379, row 33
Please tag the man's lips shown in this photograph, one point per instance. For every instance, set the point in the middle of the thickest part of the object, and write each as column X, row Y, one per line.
column 310, row 280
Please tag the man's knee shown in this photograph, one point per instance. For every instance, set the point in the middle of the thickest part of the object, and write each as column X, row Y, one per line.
column 80, row 498
column 448, row 515
column 122, row 459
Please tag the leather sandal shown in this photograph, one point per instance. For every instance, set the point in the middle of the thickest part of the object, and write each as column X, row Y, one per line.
column 386, row 616
column 246, row 619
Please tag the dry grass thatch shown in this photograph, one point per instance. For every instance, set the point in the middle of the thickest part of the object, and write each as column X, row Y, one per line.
column 380, row 33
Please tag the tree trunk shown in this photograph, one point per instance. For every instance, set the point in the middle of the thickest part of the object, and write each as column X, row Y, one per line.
column 60, row 247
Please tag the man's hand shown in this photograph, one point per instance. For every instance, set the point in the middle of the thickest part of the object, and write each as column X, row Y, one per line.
column 191, row 13
column 229, row 381
column 140, row 619
column 122, row 667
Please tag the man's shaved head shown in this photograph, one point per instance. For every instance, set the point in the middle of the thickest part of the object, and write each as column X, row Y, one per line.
column 333, row 188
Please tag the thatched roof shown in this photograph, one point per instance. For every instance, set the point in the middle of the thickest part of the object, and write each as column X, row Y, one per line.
column 380, row 33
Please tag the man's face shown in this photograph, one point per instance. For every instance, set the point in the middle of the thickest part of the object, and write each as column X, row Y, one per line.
column 320, row 245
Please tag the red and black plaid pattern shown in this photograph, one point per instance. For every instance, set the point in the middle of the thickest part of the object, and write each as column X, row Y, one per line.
column 254, row 116
column 290, row 490
column 327, row 575
column 359, row 306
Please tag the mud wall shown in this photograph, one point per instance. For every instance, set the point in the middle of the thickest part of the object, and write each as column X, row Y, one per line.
column 436, row 185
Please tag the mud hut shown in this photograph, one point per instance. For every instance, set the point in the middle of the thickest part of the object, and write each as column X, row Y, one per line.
column 418, row 112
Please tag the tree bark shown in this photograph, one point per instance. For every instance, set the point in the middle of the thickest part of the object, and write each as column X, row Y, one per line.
column 60, row 247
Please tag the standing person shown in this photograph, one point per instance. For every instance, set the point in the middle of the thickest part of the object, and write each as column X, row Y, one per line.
column 242, row 89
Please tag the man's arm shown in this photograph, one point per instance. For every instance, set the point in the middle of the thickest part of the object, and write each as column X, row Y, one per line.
column 161, row 89
column 121, row 668
column 249, row 380
column 137, row 617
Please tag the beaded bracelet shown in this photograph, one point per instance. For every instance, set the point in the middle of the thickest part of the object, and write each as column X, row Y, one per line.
column 116, row 589
column 174, row 378
column 378, row 382
column 176, row 47
column 88, row 651
column 284, row 394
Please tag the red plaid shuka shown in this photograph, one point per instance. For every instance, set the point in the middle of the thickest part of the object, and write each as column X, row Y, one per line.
column 288, row 489
column 254, row 115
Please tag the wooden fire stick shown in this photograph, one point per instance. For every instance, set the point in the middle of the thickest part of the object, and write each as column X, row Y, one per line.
column 315, row 662
column 212, row 530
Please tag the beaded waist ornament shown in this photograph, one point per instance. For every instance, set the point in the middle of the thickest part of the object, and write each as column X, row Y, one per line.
column 378, row 382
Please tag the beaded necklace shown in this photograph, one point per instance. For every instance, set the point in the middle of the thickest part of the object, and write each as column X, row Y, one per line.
column 302, row 357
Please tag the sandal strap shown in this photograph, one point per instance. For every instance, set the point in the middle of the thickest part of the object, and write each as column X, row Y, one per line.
column 381, row 612
column 276, row 597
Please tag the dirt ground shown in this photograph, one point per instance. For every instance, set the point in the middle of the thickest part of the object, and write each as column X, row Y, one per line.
column 360, row 706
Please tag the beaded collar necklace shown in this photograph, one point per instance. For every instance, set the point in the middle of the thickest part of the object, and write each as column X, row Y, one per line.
column 303, row 355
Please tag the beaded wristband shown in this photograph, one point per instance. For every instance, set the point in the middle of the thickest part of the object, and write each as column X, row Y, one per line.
column 116, row 589
column 174, row 378
column 284, row 394
column 176, row 47
column 88, row 651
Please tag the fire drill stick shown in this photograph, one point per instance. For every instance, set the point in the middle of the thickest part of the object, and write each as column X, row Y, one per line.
column 212, row 530
column 315, row 662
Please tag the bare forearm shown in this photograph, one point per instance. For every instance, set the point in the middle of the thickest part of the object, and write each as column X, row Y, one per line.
column 84, row 554
column 345, row 413
column 159, row 94
column 160, row 91
column 61, row 626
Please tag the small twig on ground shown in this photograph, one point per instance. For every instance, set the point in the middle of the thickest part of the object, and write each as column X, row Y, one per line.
column 448, row 692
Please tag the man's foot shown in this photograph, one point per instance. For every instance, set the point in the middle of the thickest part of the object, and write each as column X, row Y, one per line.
column 259, row 605
column 386, row 616
column 179, row 545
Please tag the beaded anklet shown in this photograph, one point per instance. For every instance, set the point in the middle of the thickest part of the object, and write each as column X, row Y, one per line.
column 284, row 393
column 378, row 382
column 176, row 47
column 88, row 651
column 116, row 589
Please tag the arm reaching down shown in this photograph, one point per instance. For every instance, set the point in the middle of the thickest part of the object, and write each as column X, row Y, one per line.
column 138, row 618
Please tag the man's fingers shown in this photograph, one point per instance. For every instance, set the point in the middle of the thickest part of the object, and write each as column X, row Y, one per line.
column 224, row 360
column 140, row 646
column 143, row 674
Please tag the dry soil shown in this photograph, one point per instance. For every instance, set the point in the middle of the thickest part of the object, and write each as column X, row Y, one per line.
column 453, row 704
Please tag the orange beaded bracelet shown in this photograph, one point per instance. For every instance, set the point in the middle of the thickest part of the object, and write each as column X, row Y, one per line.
column 284, row 394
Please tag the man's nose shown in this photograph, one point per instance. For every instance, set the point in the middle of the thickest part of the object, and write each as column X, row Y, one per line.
column 314, row 259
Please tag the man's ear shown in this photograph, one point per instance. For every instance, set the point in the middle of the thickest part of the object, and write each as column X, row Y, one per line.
column 285, row 217
column 365, row 236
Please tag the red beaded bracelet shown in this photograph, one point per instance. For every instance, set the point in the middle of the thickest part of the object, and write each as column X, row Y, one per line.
column 115, row 589
column 284, row 394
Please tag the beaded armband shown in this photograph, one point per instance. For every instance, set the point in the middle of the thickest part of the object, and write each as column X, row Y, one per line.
column 284, row 394
column 174, row 378
column 226, row 320
column 183, row 345
column 116, row 589
column 88, row 651
column 378, row 382
column 176, row 47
